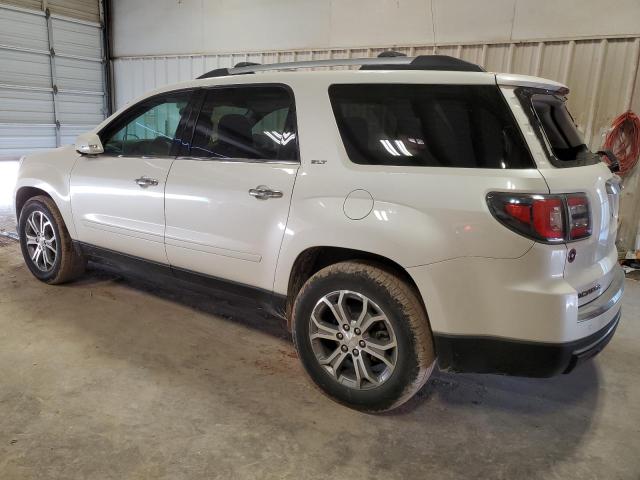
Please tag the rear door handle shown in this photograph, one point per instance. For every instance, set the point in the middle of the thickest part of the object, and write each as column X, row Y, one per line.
column 262, row 192
column 145, row 182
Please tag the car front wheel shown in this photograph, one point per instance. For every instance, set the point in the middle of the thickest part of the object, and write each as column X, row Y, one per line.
column 363, row 336
column 46, row 245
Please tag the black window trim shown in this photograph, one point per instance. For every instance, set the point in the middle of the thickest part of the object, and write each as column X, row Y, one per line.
column 116, row 123
column 504, row 100
column 198, row 103
column 524, row 95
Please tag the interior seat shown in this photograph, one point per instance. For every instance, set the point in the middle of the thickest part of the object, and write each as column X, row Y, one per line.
column 235, row 139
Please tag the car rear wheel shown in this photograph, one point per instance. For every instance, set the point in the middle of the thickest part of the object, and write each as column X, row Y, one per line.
column 46, row 245
column 363, row 336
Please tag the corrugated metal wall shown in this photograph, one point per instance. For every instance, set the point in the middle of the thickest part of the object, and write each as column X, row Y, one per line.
column 52, row 74
column 88, row 10
column 601, row 72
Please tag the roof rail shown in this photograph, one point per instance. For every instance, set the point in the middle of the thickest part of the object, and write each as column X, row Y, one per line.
column 391, row 53
column 421, row 62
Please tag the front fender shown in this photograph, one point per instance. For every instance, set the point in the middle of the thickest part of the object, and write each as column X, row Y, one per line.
column 50, row 172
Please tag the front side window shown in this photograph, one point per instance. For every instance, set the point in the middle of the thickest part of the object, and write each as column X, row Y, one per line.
column 252, row 122
column 148, row 129
column 463, row 126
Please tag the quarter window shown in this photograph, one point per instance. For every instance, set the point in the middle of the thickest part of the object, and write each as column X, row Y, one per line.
column 428, row 126
column 148, row 129
column 252, row 122
column 559, row 126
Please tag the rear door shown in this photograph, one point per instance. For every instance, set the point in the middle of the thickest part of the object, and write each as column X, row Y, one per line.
column 572, row 168
column 227, row 201
column 118, row 196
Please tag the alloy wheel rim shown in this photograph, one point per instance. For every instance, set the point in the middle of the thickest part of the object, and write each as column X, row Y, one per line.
column 353, row 340
column 41, row 241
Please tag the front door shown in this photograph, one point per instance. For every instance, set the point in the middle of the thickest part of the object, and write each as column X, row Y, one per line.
column 227, row 203
column 118, row 197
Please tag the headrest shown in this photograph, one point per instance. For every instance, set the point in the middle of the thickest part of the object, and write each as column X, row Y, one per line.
column 234, row 127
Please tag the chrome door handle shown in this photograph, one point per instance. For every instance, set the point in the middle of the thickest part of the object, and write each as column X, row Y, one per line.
column 145, row 182
column 262, row 192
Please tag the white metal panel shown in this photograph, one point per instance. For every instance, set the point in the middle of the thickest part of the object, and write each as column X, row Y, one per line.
column 27, row 120
column 248, row 25
column 75, row 38
column 23, row 30
column 546, row 19
column 69, row 133
column 415, row 16
column 24, row 68
column 79, row 75
column 51, row 75
column 489, row 20
column 88, row 10
column 21, row 106
column 80, row 110
column 30, row 4
column 16, row 138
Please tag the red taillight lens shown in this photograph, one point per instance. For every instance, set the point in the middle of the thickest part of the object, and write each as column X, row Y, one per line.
column 519, row 211
column 546, row 218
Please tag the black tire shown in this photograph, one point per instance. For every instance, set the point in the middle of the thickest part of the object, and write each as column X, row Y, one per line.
column 68, row 263
column 414, row 354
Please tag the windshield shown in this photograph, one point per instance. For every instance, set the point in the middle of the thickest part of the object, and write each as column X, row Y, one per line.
column 552, row 118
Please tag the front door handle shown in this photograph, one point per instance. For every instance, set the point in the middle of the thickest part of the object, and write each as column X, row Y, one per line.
column 145, row 182
column 262, row 192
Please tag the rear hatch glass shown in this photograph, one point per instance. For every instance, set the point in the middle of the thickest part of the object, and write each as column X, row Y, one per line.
column 556, row 129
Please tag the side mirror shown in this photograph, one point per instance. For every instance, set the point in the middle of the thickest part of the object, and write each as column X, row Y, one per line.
column 89, row 144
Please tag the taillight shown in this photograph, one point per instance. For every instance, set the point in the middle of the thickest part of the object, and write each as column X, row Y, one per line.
column 545, row 218
column 579, row 217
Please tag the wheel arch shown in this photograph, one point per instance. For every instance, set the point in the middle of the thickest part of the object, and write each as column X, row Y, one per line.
column 25, row 190
column 314, row 259
column 23, row 194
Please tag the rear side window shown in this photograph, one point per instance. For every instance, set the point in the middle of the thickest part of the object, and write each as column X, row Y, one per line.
column 463, row 126
column 252, row 122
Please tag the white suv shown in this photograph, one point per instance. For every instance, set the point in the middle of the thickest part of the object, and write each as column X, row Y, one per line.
column 413, row 210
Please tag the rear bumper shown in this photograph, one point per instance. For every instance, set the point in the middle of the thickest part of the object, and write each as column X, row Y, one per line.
column 605, row 302
column 514, row 317
column 519, row 358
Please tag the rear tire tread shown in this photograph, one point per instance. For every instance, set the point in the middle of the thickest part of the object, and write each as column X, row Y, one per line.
column 413, row 310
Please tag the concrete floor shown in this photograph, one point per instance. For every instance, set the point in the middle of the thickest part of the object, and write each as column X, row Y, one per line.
column 110, row 378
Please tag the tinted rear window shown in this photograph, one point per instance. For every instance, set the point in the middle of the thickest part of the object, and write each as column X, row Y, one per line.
column 559, row 126
column 464, row 126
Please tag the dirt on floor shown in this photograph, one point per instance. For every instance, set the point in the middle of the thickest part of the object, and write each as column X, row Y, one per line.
column 6, row 241
column 110, row 378
column 7, row 221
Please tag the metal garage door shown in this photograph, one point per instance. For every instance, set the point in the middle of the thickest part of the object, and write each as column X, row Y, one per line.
column 52, row 74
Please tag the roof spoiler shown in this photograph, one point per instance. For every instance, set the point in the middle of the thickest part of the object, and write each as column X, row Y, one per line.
column 527, row 81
